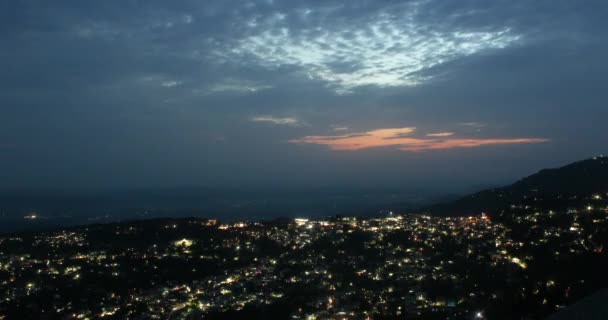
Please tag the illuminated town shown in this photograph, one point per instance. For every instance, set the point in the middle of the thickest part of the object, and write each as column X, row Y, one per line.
column 526, row 262
column 303, row 160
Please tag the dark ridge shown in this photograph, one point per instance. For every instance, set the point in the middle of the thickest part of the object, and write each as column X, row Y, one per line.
column 567, row 183
column 593, row 307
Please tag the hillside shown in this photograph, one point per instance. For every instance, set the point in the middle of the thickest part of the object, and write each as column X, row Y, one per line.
column 557, row 188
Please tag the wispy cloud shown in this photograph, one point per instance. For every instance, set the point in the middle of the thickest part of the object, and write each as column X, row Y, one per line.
column 399, row 138
column 473, row 124
column 288, row 121
column 159, row 80
column 237, row 86
column 339, row 128
column 440, row 134
column 171, row 83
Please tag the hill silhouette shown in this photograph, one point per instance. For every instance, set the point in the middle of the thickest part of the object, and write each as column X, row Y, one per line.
column 549, row 188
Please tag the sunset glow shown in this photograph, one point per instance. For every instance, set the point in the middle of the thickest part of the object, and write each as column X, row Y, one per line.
column 399, row 139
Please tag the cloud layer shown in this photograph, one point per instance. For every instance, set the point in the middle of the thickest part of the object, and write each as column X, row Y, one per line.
column 393, row 48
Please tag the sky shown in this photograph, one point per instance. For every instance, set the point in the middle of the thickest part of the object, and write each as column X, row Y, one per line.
column 287, row 94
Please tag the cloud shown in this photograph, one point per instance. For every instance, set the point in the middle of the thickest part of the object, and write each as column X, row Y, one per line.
column 399, row 139
column 171, row 83
column 289, row 121
column 473, row 124
column 440, row 134
column 159, row 80
column 339, row 128
column 421, row 144
column 390, row 49
column 237, row 86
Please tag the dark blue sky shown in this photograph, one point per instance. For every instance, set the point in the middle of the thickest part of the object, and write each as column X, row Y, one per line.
column 436, row 94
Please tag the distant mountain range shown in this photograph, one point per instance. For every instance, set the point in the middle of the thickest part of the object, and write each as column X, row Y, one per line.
column 551, row 188
column 223, row 203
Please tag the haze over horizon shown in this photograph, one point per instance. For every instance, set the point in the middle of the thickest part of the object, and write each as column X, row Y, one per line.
column 426, row 94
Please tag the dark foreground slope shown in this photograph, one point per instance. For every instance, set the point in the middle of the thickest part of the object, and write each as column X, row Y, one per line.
column 558, row 188
column 593, row 307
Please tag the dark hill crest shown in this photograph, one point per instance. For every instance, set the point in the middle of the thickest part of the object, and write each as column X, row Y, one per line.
column 548, row 187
